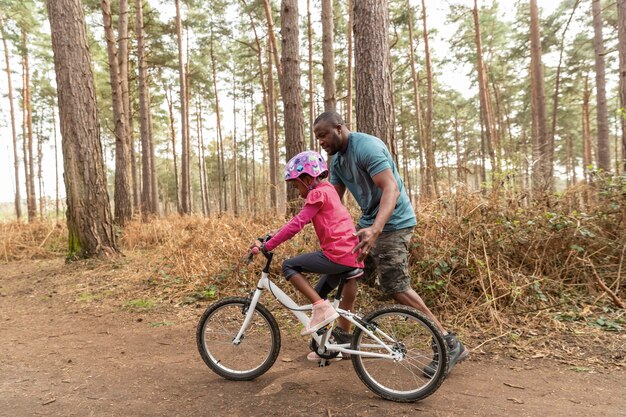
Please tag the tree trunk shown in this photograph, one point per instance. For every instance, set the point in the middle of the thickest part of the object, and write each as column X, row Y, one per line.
column 16, row 162
column 586, row 124
column 374, row 112
column 56, row 164
column 486, row 115
column 29, row 163
column 272, row 37
column 122, row 193
column 328, row 56
column 89, row 219
column 557, row 83
column 290, row 88
column 604, row 153
column 621, row 27
column 312, row 141
column 199, row 148
column 146, row 189
column 348, row 117
column 185, row 175
column 220, row 139
column 417, row 103
column 429, row 142
column 542, row 182
column 235, row 185
column 271, row 131
column 169, row 97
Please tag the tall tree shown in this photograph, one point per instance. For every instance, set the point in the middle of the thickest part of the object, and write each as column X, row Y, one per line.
column 486, row 113
column 604, row 153
column 429, row 142
column 621, row 28
column 542, row 168
column 417, row 102
column 374, row 110
column 328, row 56
column 89, row 219
column 123, row 192
column 18, row 198
column 27, row 131
column 290, row 84
column 185, row 158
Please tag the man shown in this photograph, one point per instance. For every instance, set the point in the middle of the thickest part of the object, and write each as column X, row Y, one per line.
column 362, row 164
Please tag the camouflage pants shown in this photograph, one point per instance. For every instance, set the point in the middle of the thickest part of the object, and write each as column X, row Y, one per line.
column 388, row 261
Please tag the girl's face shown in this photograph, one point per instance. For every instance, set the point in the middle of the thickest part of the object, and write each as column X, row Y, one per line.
column 300, row 184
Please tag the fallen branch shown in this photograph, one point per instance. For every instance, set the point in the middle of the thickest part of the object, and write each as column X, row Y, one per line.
column 604, row 287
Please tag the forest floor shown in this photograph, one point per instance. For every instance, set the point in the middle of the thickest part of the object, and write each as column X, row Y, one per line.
column 72, row 345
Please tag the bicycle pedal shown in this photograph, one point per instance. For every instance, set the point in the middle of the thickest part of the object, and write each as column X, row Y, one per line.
column 323, row 363
column 322, row 330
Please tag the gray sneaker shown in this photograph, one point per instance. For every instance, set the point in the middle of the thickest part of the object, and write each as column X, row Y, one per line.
column 456, row 352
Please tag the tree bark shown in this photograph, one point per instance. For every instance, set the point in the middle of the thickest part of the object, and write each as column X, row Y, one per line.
column 349, row 74
column 542, row 182
column 185, row 194
column 220, row 139
column 29, row 160
column 272, row 37
column 621, row 29
column 374, row 112
column 169, row 98
column 290, row 87
column 16, row 162
column 142, row 87
column 89, row 219
column 486, row 115
column 328, row 56
column 604, row 154
column 271, row 131
column 417, row 103
column 123, row 192
column 431, row 168
column 312, row 141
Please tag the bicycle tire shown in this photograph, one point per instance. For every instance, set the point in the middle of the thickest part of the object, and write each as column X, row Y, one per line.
column 257, row 350
column 417, row 338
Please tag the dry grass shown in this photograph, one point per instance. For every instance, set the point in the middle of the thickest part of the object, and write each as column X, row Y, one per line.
column 497, row 270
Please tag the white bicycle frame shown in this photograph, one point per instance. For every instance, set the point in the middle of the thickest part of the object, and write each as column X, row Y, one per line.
column 265, row 283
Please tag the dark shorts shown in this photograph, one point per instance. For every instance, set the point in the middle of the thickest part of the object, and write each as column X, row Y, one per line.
column 314, row 262
column 389, row 261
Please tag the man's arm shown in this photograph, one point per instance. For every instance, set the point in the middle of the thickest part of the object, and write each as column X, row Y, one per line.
column 387, row 183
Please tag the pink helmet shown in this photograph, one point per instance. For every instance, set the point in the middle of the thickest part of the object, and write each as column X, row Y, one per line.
column 307, row 162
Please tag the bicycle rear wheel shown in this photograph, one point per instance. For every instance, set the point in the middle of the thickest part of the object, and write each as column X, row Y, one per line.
column 257, row 350
column 416, row 338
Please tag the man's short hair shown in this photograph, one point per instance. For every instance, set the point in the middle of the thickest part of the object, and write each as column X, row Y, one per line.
column 330, row 117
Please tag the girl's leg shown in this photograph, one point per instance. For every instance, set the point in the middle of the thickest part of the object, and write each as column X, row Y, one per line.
column 302, row 285
column 348, row 295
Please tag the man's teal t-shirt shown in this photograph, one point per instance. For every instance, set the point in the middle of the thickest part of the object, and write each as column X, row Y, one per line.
column 365, row 157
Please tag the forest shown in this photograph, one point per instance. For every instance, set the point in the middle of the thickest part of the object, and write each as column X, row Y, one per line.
column 166, row 125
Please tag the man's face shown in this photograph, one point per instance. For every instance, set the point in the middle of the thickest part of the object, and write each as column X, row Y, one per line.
column 329, row 136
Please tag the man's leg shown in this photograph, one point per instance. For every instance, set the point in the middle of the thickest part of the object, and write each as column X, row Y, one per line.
column 412, row 299
column 392, row 249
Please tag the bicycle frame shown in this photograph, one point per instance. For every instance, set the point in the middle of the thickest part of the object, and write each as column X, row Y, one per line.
column 265, row 283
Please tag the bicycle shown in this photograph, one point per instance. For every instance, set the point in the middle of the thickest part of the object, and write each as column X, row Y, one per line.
column 239, row 339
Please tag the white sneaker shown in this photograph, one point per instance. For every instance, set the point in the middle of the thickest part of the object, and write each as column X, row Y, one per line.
column 323, row 314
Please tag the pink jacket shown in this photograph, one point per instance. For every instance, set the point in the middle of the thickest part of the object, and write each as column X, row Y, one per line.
column 332, row 222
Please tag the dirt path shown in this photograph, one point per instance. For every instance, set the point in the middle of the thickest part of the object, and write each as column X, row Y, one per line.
column 63, row 353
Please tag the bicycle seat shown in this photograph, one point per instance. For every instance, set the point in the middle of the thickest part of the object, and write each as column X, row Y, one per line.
column 353, row 273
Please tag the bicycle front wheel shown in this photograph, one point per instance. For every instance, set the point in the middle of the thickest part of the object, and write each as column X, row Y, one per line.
column 253, row 355
column 417, row 342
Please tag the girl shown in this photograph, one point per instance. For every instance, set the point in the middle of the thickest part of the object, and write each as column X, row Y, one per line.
column 334, row 228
